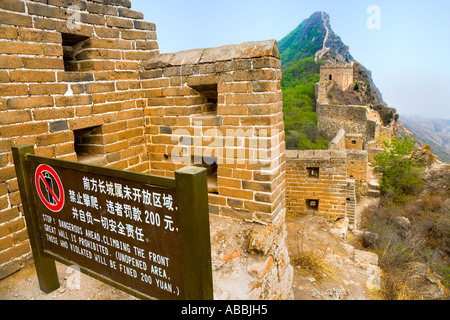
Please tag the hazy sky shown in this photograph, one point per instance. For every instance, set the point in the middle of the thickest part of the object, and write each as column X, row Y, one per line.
column 405, row 43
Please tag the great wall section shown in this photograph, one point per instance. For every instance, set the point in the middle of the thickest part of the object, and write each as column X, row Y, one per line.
column 97, row 90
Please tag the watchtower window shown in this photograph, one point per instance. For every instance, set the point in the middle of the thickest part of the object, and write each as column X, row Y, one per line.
column 313, row 172
column 89, row 145
column 210, row 163
column 353, row 141
column 209, row 91
column 330, row 77
column 312, row 205
column 71, row 44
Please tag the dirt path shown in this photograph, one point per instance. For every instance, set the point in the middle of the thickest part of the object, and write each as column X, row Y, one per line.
column 23, row 285
column 346, row 273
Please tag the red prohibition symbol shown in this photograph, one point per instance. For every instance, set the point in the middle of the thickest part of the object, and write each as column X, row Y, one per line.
column 48, row 196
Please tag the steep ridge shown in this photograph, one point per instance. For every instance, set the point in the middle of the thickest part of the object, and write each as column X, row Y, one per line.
column 319, row 54
column 314, row 37
column 302, row 42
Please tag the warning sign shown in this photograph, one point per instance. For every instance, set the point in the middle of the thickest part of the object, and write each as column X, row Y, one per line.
column 49, row 188
column 144, row 234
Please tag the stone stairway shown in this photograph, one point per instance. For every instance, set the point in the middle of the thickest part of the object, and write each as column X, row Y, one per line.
column 350, row 206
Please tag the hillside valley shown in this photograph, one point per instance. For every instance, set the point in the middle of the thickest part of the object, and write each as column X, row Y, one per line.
column 435, row 132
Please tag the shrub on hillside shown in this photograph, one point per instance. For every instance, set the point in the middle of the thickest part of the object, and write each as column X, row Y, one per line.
column 400, row 174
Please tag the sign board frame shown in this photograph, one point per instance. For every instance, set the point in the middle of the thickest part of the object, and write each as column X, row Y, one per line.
column 190, row 184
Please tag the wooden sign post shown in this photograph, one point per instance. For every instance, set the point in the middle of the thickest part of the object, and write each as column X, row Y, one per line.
column 146, row 235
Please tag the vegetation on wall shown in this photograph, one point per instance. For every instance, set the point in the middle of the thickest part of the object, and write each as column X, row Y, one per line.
column 400, row 174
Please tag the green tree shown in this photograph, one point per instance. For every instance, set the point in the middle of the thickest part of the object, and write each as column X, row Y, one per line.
column 300, row 117
column 400, row 174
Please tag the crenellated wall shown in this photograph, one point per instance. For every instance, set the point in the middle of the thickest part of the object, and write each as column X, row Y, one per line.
column 69, row 86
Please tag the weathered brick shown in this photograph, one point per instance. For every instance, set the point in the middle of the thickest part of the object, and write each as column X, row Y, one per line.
column 122, row 3
column 30, row 102
column 147, row 45
column 99, row 54
column 24, row 129
column 4, row 76
column 5, row 145
column 54, row 138
column 60, row 125
column 82, row 123
column 14, row 47
column 67, row 3
column 39, row 36
column 10, row 62
column 143, row 25
column 13, row 90
column 15, row 251
column 119, row 22
column 15, row 116
column 15, row 19
column 47, row 89
column 47, row 11
column 105, row 32
column 92, row 19
column 11, row 227
column 124, row 12
column 43, row 63
column 232, row 193
column 98, row 87
column 7, row 173
column 75, row 76
column 9, row 33
column 12, row 5
column 32, row 76
column 97, row 65
column 78, row 100
column 258, row 206
column 133, row 34
column 101, row 9
column 58, row 113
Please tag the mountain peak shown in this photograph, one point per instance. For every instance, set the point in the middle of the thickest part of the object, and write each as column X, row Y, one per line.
column 313, row 38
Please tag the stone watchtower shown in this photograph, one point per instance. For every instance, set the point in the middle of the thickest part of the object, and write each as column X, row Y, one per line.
column 338, row 75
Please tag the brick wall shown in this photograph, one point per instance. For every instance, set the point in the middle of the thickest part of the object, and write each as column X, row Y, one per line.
column 353, row 119
column 221, row 108
column 354, row 141
column 326, row 186
column 330, row 178
column 357, row 166
column 68, row 79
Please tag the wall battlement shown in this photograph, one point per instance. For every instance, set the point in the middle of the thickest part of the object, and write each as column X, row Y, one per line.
column 327, row 178
column 334, row 75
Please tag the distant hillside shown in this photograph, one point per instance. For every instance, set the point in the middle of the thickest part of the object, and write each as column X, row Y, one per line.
column 314, row 37
column 435, row 132
column 302, row 52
